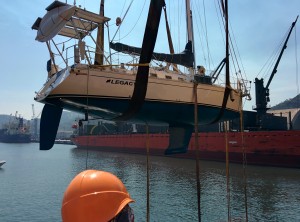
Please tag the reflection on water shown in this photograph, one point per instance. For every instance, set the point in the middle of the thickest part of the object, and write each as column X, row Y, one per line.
column 33, row 182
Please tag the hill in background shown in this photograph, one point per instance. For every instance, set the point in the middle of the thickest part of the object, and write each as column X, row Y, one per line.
column 288, row 104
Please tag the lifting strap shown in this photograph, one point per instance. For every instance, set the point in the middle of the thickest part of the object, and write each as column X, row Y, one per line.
column 227, row 85
column 141, row 81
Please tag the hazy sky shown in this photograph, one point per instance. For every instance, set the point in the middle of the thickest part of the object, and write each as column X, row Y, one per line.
column 259, row 26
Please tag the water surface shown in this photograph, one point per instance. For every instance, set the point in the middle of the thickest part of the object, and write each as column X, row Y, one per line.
column 32, row 184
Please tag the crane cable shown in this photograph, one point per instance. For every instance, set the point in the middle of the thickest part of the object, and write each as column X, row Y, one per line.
column 197, row 150
column 227, row 172
column 148, row 176
column 244, row 159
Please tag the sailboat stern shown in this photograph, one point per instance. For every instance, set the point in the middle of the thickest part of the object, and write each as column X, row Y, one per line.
column 51, row 84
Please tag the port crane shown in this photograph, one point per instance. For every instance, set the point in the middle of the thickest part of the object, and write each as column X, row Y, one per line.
column 262, row 93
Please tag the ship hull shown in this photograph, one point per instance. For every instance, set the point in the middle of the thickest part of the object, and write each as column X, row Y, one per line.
column 15, row 138
column 106, row 94
column 276, row 148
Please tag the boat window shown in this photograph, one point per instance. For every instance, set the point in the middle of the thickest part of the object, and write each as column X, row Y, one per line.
column 168, row 77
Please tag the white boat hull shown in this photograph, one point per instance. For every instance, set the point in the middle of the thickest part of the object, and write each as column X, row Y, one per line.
column 106, row 93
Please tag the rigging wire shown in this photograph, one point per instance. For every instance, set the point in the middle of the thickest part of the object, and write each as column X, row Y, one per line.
column 120, row 38
column 297, row 79
column 178, row 26
column 219, row 19
column 268, row 70
column 118, row 53
column 123, row 7
column 233, row 49
column 180, row 21
column 206, row 35
column 272, row 58
column 199, row 33
column 238, row 53
column 122, row 20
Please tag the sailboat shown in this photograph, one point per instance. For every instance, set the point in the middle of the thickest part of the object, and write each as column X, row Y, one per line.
column 141, row 92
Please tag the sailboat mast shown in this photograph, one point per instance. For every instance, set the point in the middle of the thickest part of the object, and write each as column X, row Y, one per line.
column 227, row 45
column 100, row 39
column 189, row 20
column 190, row 34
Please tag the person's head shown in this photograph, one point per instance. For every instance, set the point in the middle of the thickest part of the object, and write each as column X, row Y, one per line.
column 95, row 196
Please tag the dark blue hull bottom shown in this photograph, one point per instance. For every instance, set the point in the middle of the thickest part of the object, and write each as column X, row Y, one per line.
column 151, row 111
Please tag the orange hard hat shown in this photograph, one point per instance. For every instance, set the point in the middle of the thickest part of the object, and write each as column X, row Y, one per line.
column 94, row 196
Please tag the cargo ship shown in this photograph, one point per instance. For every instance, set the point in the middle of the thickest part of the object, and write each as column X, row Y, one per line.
column 276, row 146
column 263, row 138
column 15, row 131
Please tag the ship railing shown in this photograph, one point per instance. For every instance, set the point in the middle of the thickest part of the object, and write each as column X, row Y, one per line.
column 81, row 53
column 235, row 83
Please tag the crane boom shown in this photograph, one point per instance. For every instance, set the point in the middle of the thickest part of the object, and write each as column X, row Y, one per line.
column 261, row 92
column 280, row 55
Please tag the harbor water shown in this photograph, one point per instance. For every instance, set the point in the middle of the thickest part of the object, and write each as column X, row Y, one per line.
column 32, row 184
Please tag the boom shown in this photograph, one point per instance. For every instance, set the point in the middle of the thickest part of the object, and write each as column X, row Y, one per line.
column 280, row 55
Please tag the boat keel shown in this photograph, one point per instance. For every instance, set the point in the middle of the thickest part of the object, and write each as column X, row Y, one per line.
column 49, row 125
column 179, row 139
